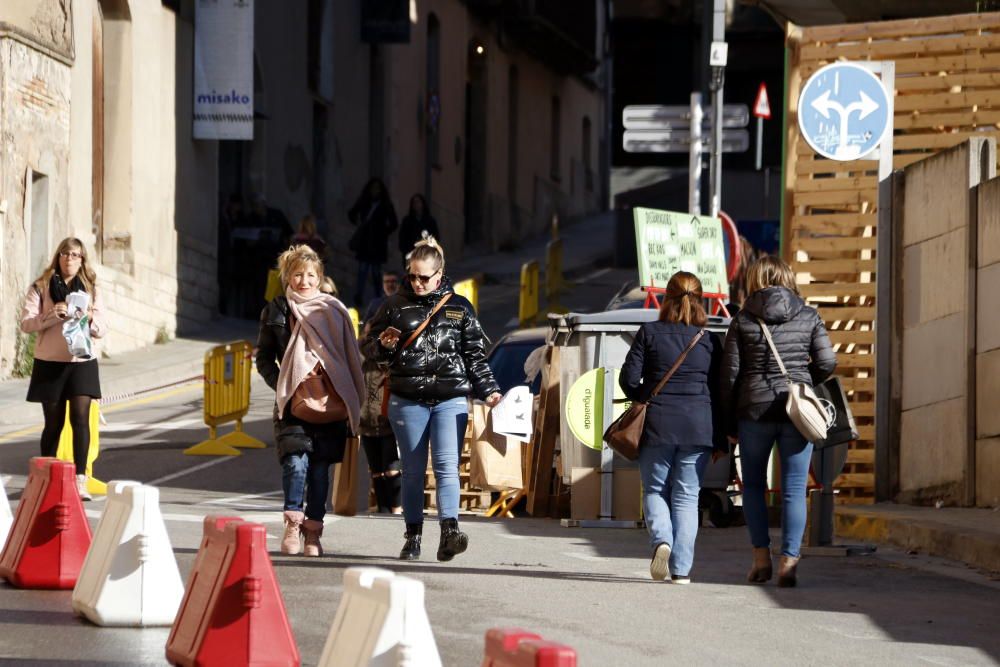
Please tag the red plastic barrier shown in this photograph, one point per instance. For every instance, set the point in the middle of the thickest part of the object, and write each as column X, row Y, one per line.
column 50, row 536
column 232, row 612
column 515, row 647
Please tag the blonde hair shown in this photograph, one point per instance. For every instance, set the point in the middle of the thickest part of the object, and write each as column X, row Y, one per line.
column 682, row 301
column 427, row 248
column 299, row 255
column 770, row 271
column 85, row 274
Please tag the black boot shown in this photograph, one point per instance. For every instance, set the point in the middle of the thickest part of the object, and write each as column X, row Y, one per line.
column 411, row 550
column 378, row 484
column 453, row 541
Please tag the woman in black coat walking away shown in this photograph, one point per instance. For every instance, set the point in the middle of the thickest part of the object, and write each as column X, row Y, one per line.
column 754, row 394
column 375, row 219
column 678, row 432
column 417, row 222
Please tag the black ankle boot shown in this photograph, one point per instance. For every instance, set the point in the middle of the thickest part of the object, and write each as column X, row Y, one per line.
column 453, row 541
column 411, row 550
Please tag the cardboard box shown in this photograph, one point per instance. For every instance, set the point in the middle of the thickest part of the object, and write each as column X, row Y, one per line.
column 585, row 498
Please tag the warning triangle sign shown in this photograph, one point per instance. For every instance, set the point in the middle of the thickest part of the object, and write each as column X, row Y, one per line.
column 761, row 106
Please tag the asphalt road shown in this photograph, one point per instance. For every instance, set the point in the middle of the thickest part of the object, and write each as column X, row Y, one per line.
column 589, row 589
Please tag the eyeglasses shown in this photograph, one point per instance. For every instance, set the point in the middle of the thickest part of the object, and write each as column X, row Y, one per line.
column 422, row 279
column 71, row 254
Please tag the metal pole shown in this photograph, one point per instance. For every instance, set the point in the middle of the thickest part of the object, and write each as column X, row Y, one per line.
column 609, row 122
column 694, row 157
column 717, row 83
column 760, row 142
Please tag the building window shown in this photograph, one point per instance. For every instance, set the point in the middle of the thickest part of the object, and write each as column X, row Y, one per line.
column 319, row 48
column 588, row 172
column 556, row 144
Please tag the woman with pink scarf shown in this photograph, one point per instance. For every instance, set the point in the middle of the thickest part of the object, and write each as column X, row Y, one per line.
column 305, row 334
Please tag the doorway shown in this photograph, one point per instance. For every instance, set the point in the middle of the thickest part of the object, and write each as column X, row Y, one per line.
column 475, row 143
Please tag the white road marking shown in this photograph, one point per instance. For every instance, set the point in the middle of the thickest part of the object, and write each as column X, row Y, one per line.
column 187, row 471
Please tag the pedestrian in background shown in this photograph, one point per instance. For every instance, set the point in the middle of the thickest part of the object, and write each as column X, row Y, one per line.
column 375, row 219
column 754, row 394
column 417, row 223
column 436, row 354
column 58, row 377
column 678, row 430
column 390, row 285
column 307, row 353
column 378, row 440
column 307, row 235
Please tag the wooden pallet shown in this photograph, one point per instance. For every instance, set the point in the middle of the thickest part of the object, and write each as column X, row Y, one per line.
column 947, row 89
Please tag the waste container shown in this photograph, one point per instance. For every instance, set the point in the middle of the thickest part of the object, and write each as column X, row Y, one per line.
column 595, row 340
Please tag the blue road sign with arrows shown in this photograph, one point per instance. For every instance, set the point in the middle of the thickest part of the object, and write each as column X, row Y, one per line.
column 844, row 111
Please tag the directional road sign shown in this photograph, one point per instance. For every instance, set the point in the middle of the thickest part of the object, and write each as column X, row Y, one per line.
column 844, row 111
column 679, row 141
column 662, row 117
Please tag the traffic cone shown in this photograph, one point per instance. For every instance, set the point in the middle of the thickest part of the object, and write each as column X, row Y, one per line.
column 6, row 517
column 130, row 575
column 381, row 620
column 232, row 613
column 50, row 536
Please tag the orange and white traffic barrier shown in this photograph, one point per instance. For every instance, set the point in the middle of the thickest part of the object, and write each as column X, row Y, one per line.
column 6, row 516
column 130, row 575
column 381, row 621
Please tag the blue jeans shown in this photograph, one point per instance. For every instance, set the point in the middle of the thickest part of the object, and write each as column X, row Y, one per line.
column 756, row 442
column 305, row 481
column 415, row 425
column 671, row 479
column 367, row 271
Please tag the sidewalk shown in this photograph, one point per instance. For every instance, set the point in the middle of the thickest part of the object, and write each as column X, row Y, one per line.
column 135, row 372
column 968, row 535
column 585, row 243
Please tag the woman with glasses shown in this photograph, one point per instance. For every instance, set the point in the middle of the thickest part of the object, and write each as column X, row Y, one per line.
column 435, row 351
column 59, row 377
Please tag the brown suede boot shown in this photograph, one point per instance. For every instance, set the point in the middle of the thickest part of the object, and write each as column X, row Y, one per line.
column 786, row 572
column 761, row 570
column 290, row 542
column 313, row 530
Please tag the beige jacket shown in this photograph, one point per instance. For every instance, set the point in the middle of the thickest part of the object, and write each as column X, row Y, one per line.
column 38, row 316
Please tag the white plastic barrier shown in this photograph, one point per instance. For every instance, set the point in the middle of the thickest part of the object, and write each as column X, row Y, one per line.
column 381, row 622
column 6, row 516
column 130, row 575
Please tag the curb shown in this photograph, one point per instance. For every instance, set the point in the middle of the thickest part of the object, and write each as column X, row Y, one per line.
column 977, row 548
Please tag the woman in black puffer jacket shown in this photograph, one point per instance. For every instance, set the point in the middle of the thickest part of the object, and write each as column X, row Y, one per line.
column 430, row 379
column 754, row 393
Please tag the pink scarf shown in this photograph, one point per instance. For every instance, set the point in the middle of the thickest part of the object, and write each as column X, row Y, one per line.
column 322, row 334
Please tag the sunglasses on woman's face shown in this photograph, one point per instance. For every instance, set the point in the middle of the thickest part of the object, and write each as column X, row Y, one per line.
column 422, row 279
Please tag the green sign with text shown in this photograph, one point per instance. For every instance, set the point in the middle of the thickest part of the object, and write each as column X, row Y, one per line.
column 668, row 242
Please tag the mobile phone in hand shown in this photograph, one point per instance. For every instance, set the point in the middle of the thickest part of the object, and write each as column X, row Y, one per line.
column 392, row 331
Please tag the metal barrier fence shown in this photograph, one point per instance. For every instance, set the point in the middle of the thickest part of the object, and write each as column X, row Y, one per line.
column 227, row 399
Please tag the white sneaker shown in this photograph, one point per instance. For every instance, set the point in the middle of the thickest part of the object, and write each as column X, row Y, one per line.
column 81, row 487
column 676, row 579
column 659, row 567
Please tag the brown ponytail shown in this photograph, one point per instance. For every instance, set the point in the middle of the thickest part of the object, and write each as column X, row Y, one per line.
column 683, row 300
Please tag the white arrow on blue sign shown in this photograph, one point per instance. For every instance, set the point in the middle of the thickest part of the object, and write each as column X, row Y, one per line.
column 844, row 111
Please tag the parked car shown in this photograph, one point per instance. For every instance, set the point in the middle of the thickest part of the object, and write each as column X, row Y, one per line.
column 506, row 358
column 631, row 295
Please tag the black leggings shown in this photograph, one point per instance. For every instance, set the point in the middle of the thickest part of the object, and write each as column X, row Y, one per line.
column 79, row 419
column 383, row 461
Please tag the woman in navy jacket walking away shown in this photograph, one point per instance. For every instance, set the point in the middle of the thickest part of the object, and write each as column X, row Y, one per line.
column 678, row 432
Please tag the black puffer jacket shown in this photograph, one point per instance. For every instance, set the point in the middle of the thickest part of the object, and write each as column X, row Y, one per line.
column 752, row 385
column 272, row 339
column 446, row 361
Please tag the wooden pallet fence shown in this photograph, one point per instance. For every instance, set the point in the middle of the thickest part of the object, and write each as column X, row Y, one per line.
column 947, row 89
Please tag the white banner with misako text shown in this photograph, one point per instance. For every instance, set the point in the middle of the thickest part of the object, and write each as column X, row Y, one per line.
column 223, row 69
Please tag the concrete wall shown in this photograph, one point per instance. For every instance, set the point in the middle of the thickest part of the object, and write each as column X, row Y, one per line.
column 988, row 347
column 937, row 460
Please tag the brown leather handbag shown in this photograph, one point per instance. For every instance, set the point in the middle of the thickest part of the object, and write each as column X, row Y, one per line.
column 625, row 433
column 316, row 401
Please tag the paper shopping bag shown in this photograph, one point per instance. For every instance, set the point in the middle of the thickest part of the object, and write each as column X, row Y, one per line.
column 495, row 461
column 345, row 492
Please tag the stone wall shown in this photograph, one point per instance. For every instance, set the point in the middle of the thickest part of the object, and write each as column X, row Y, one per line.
column 988, row 347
